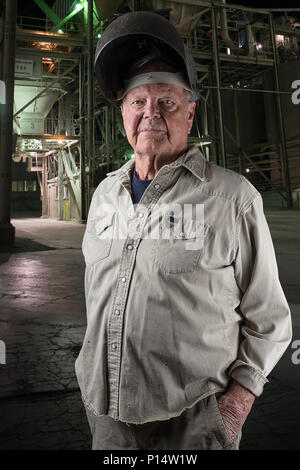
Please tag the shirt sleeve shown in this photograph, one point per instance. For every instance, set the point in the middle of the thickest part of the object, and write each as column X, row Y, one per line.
column 266, row 330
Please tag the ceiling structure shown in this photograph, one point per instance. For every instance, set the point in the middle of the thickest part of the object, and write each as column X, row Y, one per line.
column 232, row 45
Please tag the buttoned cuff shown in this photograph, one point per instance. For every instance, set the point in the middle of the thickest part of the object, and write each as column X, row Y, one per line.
column 249, row 377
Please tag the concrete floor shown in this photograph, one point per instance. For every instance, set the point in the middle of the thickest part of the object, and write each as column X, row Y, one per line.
column 42, row 322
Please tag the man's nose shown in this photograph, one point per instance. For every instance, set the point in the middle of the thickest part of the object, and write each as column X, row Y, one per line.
column 152, row 110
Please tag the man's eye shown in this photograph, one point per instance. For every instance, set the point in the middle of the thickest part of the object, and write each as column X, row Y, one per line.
column 137, row 102
column 168, row 102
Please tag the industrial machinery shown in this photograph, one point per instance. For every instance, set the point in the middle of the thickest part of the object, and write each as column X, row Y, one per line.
column 70, row 136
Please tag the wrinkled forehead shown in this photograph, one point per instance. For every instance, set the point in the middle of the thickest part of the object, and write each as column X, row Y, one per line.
column 156, row 90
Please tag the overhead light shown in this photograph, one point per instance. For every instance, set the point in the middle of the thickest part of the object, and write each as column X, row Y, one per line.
column 247, row 170
column 228, row 51
column 99, row 36
column 60, row 31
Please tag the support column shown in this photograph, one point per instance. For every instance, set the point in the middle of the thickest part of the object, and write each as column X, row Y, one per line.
column 90, row 93
column 7, row 230
column 60, row 182
column 214, row 157
column 45, row 214
column 237, row 131
column 218, row 81
column 284, row 155
column 82, row 140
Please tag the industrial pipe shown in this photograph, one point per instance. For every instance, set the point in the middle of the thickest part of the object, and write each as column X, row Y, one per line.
column 224, row 28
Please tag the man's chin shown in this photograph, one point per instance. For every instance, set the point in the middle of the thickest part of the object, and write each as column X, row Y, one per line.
column 152, row 148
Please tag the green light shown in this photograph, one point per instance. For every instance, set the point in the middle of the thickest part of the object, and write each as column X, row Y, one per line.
column 78, row 7
column 99, row 36
column 60, row 31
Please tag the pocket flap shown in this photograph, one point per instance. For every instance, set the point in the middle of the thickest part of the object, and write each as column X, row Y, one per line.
column 192, row 230
column 100, row 225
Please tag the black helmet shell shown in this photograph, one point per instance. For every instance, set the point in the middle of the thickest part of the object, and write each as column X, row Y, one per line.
column 127, row 39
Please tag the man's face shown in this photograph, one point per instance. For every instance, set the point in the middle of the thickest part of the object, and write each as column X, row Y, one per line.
column 157, row 118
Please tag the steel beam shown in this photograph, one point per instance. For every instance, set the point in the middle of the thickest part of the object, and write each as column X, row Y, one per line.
column 284, row 9
column 44, row 190
column 207, row 3
column 235, row 59
column 82, row 142
column 285, row 161
column 74, row 183
column 218, row 83
column 63, row 39
column 74, row 138
column 67, row 18
column 90, row 93
column 47, row 10
column 52, row 54
column 7, row 231
column 60, row 182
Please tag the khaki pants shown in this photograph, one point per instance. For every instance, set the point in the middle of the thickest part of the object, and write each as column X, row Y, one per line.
column 197, row 428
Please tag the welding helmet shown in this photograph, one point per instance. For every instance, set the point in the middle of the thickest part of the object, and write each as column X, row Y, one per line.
column 134, row 39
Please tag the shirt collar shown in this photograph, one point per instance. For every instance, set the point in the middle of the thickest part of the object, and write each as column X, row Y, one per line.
column 192, row 159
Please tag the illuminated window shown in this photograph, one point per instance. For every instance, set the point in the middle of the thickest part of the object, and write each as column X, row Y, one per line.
column 17, row 186
column 30, row 186
column 20, row 186
column 14, row 186
column 279, row 38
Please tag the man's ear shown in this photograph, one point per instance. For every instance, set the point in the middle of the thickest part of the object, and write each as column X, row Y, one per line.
column 191, row 111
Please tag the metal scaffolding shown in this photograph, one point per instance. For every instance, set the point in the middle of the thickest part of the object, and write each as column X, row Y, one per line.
column 234, row 48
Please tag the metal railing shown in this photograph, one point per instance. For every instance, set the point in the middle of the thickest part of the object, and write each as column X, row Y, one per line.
column 47, row 25
column 55, row 126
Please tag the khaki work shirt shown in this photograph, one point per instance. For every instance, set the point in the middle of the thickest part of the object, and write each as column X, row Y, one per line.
column 172, row 316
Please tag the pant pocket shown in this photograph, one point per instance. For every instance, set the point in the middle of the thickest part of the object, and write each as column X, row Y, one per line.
column 218, row 426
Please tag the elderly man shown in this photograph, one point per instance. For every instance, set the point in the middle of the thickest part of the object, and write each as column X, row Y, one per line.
column 185, row 312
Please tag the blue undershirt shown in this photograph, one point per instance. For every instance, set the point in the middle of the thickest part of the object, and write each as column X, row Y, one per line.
column 138, row 187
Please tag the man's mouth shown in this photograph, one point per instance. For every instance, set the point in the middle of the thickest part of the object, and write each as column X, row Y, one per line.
column 152, row 130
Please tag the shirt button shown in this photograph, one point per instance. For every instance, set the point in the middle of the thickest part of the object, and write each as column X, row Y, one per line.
column 129, row 214
column 129, row 247
column 114, row 346
column 157, row 186
column 117, row 311
column 141, row 214
column 123, row 279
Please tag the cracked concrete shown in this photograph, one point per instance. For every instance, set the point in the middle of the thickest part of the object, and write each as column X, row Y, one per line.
column 42, row 322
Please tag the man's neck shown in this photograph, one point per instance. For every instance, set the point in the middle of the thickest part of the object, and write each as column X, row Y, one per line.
column 147, row 166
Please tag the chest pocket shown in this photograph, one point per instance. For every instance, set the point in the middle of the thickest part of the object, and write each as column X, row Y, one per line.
column 179, row 252
column 98, row 237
